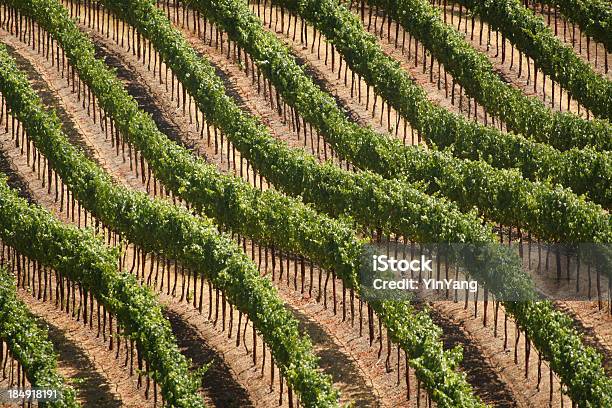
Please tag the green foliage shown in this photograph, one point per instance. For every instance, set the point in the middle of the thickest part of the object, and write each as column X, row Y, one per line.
column 551, row 213
column 585, row 171
column 530, row 35
column 156, row 226
column 473, row 70
column 272, row 218
column 84, row 258
column 594, row 17
column 403, row 325
column 29, row 344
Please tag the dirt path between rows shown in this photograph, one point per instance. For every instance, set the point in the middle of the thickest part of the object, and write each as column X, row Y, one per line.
column 84, row 360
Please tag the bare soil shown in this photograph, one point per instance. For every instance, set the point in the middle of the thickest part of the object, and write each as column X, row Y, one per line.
column 84, row 359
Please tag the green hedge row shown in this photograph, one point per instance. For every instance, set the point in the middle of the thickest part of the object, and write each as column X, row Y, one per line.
column 475, row 73
column 530, row 35
column 27, row 342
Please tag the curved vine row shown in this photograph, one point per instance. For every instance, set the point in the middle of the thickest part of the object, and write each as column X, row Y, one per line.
column 585, row 171
column 530, row 35
column 473, row 70
column 160, row 227
column 551, row 331
column 27, row 342
column 552, row 213
column 594, row 17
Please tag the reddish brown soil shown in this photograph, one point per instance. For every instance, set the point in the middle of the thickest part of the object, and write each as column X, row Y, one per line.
column 84, row 359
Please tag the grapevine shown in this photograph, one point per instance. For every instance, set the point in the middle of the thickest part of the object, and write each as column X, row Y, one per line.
column 473, row 71
column 338, row 248
column 29, row 343
column 594, row 17
column 529, row 34
column 276, row 222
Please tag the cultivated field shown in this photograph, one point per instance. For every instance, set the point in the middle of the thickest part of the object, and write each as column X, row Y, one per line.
column 190, row 188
